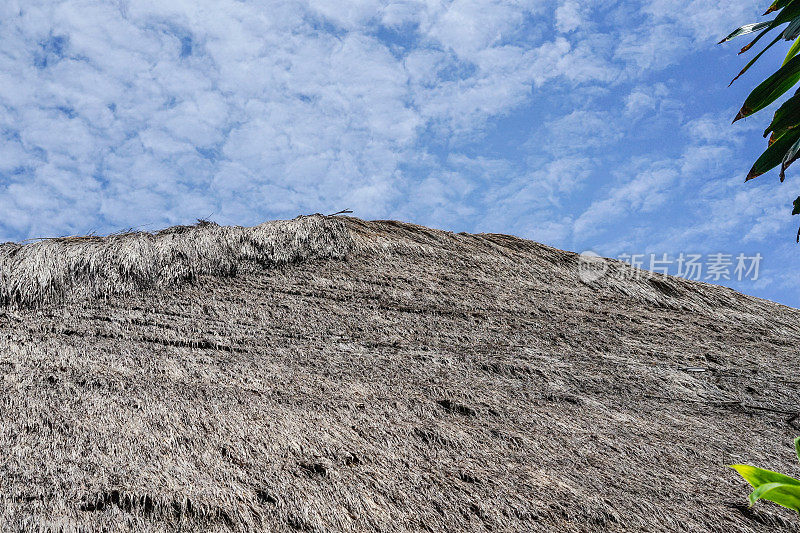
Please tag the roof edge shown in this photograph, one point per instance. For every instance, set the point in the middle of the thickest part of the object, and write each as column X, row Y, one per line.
column 50, row 271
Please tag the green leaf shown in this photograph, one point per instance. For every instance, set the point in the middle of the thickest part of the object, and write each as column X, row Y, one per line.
column 776, row 5
column 792, row 31
column 796, row 211
column 797, row 439
column 771, row 88
column 792, row 51
column 758, row 38
column 774, row 154
column 744, row 30
column 786, row 117
column 756, row 494
column 787, row 495
column 788, row 13
column 758, row 476
column 789, row 157
column 750, row 63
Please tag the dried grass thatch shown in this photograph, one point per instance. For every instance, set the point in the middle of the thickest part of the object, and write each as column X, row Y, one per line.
column 45, row 272
column 378, row 376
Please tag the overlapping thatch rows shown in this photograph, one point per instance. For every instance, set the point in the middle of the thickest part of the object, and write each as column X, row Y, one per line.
column 46, row 271
column 383, row 377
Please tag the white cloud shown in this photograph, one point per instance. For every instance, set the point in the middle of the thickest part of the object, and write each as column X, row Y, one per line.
column 644, row 99
column 646, row 191
column 161, row 109
column 569, row 16
column 701, row 19
column 580, row 131
column 530, row 202
column 672, row 29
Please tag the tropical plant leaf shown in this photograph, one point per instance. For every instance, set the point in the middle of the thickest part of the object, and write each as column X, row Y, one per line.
column 756, row 494
column 771, row 89
column 780, row 493
column 744, row 30
column 784, row 142
column 790, row 13
column 774, row 154
column 776, row 5
column 786, row 117
column 789, row 158
column 750, row 63
column 787, row 14
column 754, row 41
column 792, row 31
column 796, row 439
column 758, row 476
column 792, row 50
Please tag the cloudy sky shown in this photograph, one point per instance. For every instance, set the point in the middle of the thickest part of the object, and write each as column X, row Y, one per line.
column 599, row 125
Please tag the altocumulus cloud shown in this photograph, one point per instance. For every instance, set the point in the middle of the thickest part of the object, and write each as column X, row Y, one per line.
column 125, row 112
column 554, row 119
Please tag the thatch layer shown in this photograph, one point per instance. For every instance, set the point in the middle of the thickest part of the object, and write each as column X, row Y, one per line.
column 46, row 271
column 381, row 376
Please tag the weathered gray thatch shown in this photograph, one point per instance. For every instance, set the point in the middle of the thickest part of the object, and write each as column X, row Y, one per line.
column 47, row 271
column 333, row 374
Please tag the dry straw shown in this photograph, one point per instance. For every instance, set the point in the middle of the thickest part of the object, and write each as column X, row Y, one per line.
column 46, row 271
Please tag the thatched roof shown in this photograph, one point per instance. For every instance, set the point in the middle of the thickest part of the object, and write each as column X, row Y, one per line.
column 333, row 374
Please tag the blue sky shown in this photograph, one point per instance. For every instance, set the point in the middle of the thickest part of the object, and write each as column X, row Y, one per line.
column 599, row 126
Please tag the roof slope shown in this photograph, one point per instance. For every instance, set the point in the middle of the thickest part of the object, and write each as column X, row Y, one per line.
column 334, row 374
